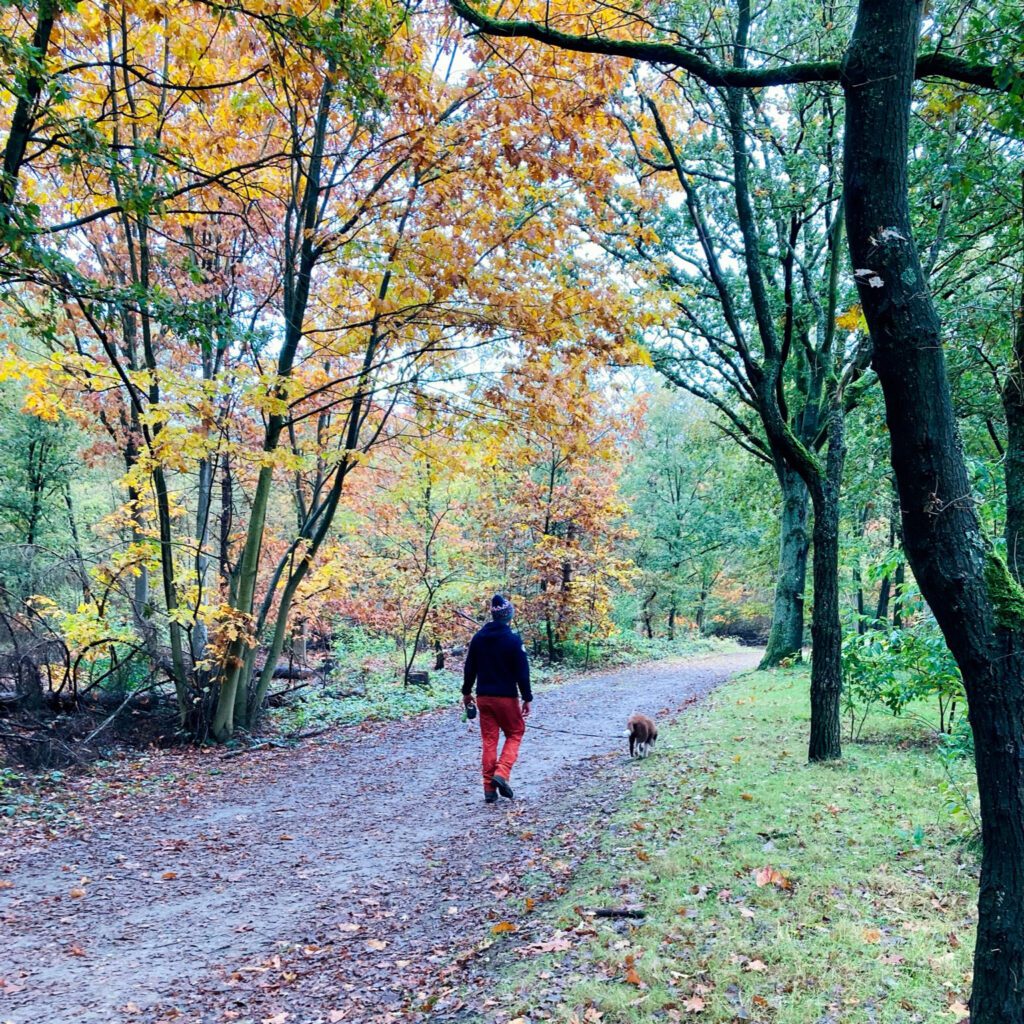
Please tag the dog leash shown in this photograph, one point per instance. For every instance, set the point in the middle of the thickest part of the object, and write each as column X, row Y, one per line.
column 574, row 732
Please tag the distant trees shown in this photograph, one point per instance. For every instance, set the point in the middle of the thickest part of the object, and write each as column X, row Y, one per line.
column 698, row 511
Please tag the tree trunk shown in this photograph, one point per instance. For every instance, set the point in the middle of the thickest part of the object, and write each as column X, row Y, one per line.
column 25, row 109
column 702, row 603
column 648, row 625
column 826, row 632
column 899, row 580
column 787, row 633
column 227, row 513
column 882, row 608
column 1013, row 463
column 978, row 605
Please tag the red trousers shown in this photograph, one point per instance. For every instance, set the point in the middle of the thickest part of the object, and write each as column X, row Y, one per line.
column 499, row 714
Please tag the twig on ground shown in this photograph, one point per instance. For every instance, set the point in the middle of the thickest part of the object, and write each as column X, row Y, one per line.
column 632, row 912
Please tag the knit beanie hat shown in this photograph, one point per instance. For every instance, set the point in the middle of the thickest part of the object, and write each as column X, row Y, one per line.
column 501, row 609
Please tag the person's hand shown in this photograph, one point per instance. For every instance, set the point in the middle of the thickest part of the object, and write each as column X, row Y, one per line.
column 467, row 699
column 526, row 709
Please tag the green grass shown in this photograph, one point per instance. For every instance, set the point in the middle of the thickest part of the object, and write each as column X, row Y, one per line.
column 870, row 914
column 629, row 647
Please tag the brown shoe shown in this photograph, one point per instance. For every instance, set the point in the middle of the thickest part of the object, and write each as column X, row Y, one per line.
column 502, row 786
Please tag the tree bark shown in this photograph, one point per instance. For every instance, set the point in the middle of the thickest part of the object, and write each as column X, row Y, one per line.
column 825, row 743
column 23, row 119
column 787, row 632
column 978, row 605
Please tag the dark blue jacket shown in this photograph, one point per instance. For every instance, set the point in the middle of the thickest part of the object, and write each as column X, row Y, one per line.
column 496, row 661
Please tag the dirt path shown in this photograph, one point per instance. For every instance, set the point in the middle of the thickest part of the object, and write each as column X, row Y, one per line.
column 349, row 885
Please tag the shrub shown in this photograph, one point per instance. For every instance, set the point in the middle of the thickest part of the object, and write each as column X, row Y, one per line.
column 895, row 668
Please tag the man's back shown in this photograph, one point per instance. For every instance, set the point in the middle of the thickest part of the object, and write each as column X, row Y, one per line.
column 497, row 662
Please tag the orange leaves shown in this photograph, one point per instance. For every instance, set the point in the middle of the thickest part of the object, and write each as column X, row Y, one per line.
column 504, row 928
column 770, row 876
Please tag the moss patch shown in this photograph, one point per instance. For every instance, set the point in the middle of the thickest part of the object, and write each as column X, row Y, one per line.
column 1006, row 593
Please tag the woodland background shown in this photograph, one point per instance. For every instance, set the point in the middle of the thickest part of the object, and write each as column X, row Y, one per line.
column 323, row 321
column 334, row 319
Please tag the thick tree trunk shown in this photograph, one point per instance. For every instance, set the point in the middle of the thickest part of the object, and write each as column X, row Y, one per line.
column 787, row 633
column 974, row 598
column 826, row 632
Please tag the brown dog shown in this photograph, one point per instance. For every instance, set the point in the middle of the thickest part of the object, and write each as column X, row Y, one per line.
column 642, row 735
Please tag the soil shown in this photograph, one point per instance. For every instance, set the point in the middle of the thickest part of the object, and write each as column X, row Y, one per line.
column 359, row 878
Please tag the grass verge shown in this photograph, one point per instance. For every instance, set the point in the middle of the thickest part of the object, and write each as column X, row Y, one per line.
column 774, row 891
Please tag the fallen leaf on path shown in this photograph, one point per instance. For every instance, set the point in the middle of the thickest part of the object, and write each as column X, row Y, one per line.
column 556, row 945
column 77, row 894
column 693, row 1005
column 959, row 1010
column 169, row 876
column 336, row 1015
column 502, row 927
column 872, row 935
column 377, row 944
column 76, row 950
column 756, row 965
column 4, row 884
column 280, row 1018
column 632, row 978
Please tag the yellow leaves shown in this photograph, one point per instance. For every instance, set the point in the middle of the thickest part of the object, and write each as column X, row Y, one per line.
column 46, row 407
column 86, row 631
column 852, row 319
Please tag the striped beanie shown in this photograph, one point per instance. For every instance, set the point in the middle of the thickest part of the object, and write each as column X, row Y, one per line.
column 501, row 609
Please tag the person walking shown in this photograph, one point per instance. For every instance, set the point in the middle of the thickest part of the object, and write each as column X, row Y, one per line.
column 496, row 663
